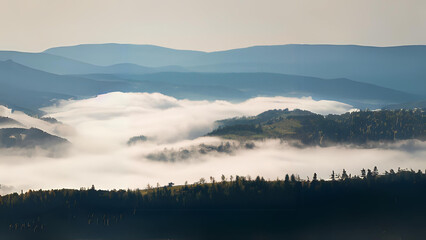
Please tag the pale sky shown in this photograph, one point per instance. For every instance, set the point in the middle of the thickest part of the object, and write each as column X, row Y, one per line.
column 35, row 25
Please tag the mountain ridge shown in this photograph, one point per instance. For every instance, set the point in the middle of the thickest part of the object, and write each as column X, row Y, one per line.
column 391, row 67
column 359, row 127
column 63, row 65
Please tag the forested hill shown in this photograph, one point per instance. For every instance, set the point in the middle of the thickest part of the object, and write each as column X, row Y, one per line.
column 368, row 206
column 356, row 127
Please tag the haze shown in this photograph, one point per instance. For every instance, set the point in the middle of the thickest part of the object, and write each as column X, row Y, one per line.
column 28, row 25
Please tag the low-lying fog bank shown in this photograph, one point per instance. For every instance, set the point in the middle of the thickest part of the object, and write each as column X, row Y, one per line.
column 174, row 149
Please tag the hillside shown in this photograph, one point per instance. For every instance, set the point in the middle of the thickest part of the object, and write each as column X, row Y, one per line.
column 8, row 121
column 314, row 129
column 28, row 138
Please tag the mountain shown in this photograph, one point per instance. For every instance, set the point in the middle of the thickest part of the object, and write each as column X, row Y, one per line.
column 154, row 83
column 272, row 84
column 62, row 65
column 111, row 53
column 27, row 101
column 314, row 129
column 28, row 89
column 9, row 121
column 28, row 138
column 407, row 105
column 129, row 68
column 49, row 63
column 400, row 67
column 24, row 88
column 20, row 76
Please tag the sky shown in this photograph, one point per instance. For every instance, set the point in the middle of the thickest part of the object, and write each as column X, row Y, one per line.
column 35, row 25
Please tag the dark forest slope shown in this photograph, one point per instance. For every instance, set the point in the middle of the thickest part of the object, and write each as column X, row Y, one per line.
column 370, row 206
column 309, row 128
column 28, row 138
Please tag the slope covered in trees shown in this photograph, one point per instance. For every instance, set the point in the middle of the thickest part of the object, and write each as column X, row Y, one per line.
column 309, row 128
column 368, row 206
column 9, row 121
column 28, row 138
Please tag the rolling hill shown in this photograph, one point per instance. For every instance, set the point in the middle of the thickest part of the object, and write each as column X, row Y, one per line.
column 314, row 129
column 28, row 138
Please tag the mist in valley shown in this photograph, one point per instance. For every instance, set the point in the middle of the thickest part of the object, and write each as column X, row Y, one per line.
column 99, row 130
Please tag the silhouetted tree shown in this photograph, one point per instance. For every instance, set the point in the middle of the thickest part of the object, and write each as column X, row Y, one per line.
column 344, row 175
column 363, row 173
column 375, row 171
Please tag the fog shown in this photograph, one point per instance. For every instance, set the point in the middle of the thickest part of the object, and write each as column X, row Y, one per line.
column 100, row 127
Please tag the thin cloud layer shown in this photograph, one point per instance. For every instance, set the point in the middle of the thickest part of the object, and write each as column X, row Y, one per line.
column 99, row 129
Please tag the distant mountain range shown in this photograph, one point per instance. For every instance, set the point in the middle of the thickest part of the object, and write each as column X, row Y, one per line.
column 62, row 65
column 272, row 84
column 365, row 77
column 28, row 89
column 401, row 67
column 110, row 54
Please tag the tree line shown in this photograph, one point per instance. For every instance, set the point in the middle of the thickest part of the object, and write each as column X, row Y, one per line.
column 358, row 127
column 397, row 195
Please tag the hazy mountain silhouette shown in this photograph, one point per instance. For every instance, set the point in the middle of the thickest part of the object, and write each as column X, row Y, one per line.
column 28, row 138
column 9, row 121
column 112, row 53
column 272, row 84
column 20, row 76
column 129, row 68
column 407, row 105
column 401, row 67
column 62, row 65
column 28, row 89
column 49, row 63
